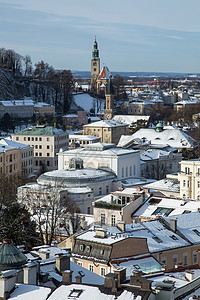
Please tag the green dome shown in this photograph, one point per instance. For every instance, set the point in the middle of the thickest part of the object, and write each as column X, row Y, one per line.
column 159, row 127
column 10, row 256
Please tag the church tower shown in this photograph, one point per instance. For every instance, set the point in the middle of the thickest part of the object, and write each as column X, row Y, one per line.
column 109, row 110
column 95, row 65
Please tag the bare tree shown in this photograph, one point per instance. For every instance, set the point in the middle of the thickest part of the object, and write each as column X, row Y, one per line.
column 53, row 212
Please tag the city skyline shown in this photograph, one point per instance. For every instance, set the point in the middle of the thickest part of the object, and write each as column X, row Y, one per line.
column 134, row 36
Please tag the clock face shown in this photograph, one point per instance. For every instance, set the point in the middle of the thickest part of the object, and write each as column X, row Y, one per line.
column 108, row 117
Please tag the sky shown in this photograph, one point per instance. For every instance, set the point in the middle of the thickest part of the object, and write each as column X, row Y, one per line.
column 132, row 35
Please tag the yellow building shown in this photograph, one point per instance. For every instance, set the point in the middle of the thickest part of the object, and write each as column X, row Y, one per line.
column 109, row 131
column 43, row 109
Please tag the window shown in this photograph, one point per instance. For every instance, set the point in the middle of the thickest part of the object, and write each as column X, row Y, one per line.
column 88, row 210
column 157, row 239
column 24, row 138
column 174, row 260
column 48, row 163
column 100, row 191
column 162, row 211
column 198, row 184
column 164, row 261
column 82, row 247
column 47, row 139
column 75, row 293
column 36, row 146
column 47, row 146
column 29, row 139
column 188, row 184
column 17, row 138
column 103, row 219
column 79, row 263
column 184, row 183
column 32, row 139
column 40, row 154
column 40, row 139
column 130, row 172
column 185, row 259
column 36, row 153
column 133, row 170
column 40, row 146
column 36, row 139
column 126, row 171
column 103, row 271
column 187, row 170
column 112, row 220
column 196, row 231
column 48, row 154
column 122, row 172
column 195, row 257
column 107, row 189
column 91, row 268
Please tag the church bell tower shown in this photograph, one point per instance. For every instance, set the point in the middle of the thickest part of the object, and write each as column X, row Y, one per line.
column 95, row 65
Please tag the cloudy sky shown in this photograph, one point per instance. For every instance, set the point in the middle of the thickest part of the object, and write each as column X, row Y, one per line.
column 133, row 35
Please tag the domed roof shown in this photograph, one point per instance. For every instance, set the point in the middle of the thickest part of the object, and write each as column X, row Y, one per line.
column 74, row 178
column 159, row 127
column 10, row 256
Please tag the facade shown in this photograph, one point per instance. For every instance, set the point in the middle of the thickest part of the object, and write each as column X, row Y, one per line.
column 124, row 163
column 108, row 130
column 43, row 109
column 109, row 110
column 158, row 163
column 140, row 107
column 189, row 178
column 16, row 157
column 47, row 141
column 103, row 79
column 21, row 109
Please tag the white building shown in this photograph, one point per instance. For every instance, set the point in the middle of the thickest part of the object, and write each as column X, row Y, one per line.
column 17, row 108
column 125, row 163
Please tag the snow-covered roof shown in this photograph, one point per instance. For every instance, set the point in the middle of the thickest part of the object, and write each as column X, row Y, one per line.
column 17, row 103
column 166, row 184
column 174, row 137
column 158, row 237
column 12, row 144
column 106, row 123
column 105, row 73
column 163, row 206
column 188, row 225
column 150, row 154
column 29, row 292
column 42, row 104
column 130, row 119
column 86, row 102
column 83, row 137
column 83, row 292
column 130, row 182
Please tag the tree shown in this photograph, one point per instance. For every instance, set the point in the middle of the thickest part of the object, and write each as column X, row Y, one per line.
column 28, row 65
column 43, row 70
column 52, row 212
column 118, row 83
column 16, row 224
column 135, row 126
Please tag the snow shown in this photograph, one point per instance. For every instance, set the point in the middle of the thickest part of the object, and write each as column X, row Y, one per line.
column 106, row 123
column 87, row 292
column 86, row 102
column 29, row 292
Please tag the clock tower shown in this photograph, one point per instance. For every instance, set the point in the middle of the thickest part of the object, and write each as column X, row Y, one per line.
column 109, row 110
column 95, row 65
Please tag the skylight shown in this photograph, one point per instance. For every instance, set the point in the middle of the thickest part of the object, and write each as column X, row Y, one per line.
column 157, row 239
column 197, row 232
column 75, row 293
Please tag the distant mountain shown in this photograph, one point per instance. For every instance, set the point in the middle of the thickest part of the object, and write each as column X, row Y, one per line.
column 87, row 74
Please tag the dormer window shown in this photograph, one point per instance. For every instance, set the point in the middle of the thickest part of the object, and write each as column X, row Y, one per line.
column 88, row 248
column 82, row 247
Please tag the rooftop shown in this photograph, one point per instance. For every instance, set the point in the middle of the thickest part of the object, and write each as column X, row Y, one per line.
column 41, row 130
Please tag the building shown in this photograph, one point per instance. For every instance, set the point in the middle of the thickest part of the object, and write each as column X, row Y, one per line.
column 165, row 135
column 78, row 119
column 15, row 158
column 103, row 79
column 118, row 206
column 95, row 66
column 189, row 179
column 108, row 130
column 76, row 183
column 21, row 109
column 124, row 163
column 44, row 109
column 47, row 141
column 172, row 241
column 80, row 140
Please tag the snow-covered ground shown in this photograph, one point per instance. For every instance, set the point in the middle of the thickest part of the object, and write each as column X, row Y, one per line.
column 86, row 102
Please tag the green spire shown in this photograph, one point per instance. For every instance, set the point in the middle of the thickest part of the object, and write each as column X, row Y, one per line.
column 95, row 51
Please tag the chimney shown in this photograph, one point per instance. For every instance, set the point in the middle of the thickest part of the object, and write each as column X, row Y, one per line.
column 30, row 273
column 173, row 224
column 78, row 279
column 121, row 225
column 189, row 275
column 121, row 272
column 63, row 262
column 44, row 253
column 146, row 285
column 7, row 283
column 67, row 277
column 111, row 281
column 136, row 278
column 100, row 232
